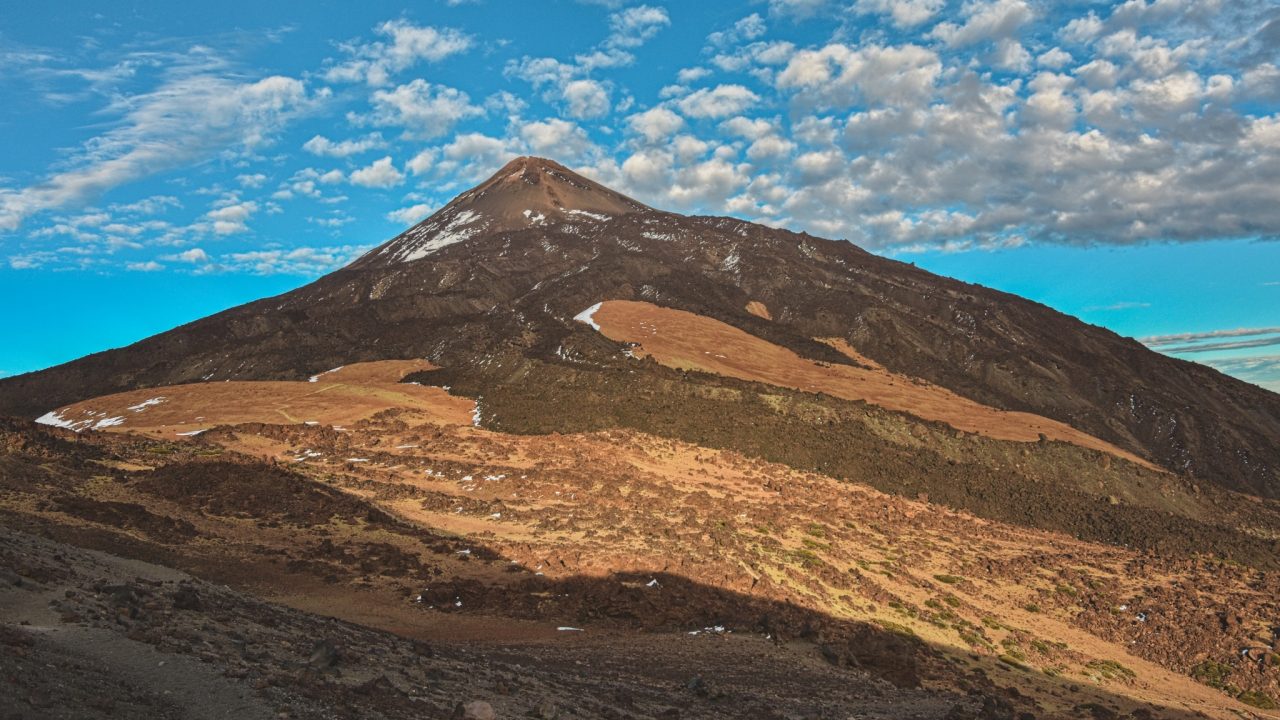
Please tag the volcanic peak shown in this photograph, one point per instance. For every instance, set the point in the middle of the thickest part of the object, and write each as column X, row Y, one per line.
column 526, row 192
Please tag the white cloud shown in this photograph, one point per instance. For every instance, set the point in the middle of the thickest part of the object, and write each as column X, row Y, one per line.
column 323, row 146
column 985, row 21
column 586, row 99
column 903, row 13
column 191, row 116
column 1082, row 29
column 745, row 30
column 254, row 180
column 557, row 138
column 230, row 217
column 634, row 26
column 1054, row 59
column 411, row 215
column 382, row 173
column 422, row 109
column 422, row 163
column 406, row 45
column 304, row 261
column 1011, row 55
column 472, row 157
column 194, row 255
column 332, row 221
column 840, row 75
column 720, row 101
column 152, row 205
column 798, row 9
column 148, row 266
column 770, row 147
column 656, row 123
column 692, row 75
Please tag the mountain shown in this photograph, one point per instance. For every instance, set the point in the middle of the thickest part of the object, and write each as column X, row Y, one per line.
column 554, row 453
column 489, row 285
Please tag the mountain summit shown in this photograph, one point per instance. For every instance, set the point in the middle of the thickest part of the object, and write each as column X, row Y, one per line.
column 526, row 192
column 489, row 288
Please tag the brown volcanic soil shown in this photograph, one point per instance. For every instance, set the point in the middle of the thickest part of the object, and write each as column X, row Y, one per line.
column 505, row 297
column 529, row 533
column 336, row 397
column 687, row 341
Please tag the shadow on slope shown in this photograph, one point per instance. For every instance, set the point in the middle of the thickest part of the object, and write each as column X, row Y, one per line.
column 853, row 654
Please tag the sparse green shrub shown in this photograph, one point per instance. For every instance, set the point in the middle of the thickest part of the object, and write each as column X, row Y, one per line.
column 949, row 579
column 1012, row 662
column 896, row 628
column 1212, row 673
column 1110, row 669
column 1258, row 699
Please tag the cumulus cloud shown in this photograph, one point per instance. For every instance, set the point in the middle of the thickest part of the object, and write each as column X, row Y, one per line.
column 230, row 217
column 381, row 173
column 634, row 26
column 472, row 157
column 323, row 146
column 903, row 13
column 422, row 109
column 720, row 101
column 559, row 138
column 798, row 9
column 570, row 82
column 985, row 21
column 422, row 163
column 840, row 75
column 194, row 255
column 747, row 29
column 656, row 123
column 303, row 261
column 411, row 215
column 404, row 45
column 586, row 99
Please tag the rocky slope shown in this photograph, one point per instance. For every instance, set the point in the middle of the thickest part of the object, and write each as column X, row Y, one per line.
column 488, row 288
column 612, row 574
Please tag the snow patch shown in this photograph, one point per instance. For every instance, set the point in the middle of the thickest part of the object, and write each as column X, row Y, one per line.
column 193, row 433
column 593, row 216
column 588, row 316
column 54, row 418
column 316, row 378
column 147, row 403
column 455, row 231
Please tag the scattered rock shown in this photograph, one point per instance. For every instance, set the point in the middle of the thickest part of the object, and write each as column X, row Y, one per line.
column 186, row 598
column 324, row 656
column 474, row 710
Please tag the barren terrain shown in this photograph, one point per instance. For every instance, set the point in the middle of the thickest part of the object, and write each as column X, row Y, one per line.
column 414, row 521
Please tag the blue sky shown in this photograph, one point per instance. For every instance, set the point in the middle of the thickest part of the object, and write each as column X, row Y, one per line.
column 1117, row 161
